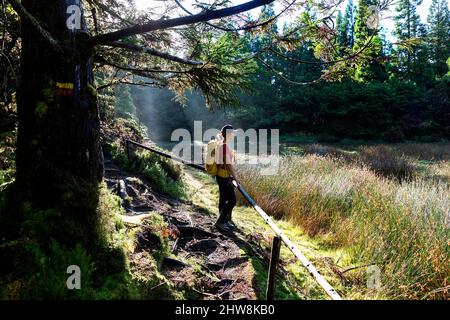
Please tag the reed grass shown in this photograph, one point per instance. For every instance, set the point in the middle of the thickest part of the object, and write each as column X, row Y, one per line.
column 402, row 227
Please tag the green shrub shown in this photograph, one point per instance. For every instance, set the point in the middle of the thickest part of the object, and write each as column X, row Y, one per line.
column 122, row 129
column 164, row 175
column 49, row 282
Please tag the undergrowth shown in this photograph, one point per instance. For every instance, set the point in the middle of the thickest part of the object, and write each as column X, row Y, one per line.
column 35, row 268
column 163, row 174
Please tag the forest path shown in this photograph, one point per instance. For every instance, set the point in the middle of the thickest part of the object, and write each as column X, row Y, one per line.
column 212, row 264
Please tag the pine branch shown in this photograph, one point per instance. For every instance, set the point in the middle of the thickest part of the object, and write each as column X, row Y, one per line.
column 153, row 52
column 180, row 21
column 108, row 10
column 248, row 27
column 121, row 81
column 135, row 70
column 143, row 84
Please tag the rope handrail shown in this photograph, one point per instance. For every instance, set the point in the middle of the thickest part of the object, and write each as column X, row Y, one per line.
column 331, row 292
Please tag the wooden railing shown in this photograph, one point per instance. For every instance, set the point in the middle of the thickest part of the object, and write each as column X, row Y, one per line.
column 278, row 238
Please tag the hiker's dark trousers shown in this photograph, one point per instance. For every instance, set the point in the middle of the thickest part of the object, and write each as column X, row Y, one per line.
column 227, row 199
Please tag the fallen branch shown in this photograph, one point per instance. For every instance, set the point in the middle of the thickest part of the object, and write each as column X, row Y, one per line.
column 358, row 267
column 207, row 294
column 446, row 288
column 157, row 286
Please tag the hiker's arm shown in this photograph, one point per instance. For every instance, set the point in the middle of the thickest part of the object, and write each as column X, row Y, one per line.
column 232, row 171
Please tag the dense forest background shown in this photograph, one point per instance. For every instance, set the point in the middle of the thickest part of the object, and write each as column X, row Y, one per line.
column 402, row 94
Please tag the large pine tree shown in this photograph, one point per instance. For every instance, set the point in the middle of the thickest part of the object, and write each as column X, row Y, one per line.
column 439, row 35
column 350, row 22
column 366, row 34
column 345, row 27
column 341, row 30
column 407, row 27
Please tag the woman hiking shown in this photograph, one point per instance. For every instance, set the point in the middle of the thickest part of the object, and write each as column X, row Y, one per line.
column 225, row 159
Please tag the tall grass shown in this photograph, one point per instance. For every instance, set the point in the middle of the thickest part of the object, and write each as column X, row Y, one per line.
column 394, row 161
column 401, row 227
column 387, row 161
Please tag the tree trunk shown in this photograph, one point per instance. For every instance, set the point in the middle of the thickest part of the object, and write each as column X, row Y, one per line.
column 58, row 147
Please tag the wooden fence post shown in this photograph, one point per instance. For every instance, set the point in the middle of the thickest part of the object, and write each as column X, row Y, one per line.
column 274, row 257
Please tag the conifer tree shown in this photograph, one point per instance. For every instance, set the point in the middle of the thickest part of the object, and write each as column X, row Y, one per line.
column 366, row 31
column 439, row 35
column 407, row 25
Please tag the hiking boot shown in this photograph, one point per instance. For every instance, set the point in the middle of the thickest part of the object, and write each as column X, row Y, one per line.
column 231, row 224
column 222, row 226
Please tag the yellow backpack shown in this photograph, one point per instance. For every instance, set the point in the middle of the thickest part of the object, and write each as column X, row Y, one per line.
column 210, row 157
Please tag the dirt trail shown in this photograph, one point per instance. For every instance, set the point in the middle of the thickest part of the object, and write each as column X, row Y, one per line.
column 226, row 272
